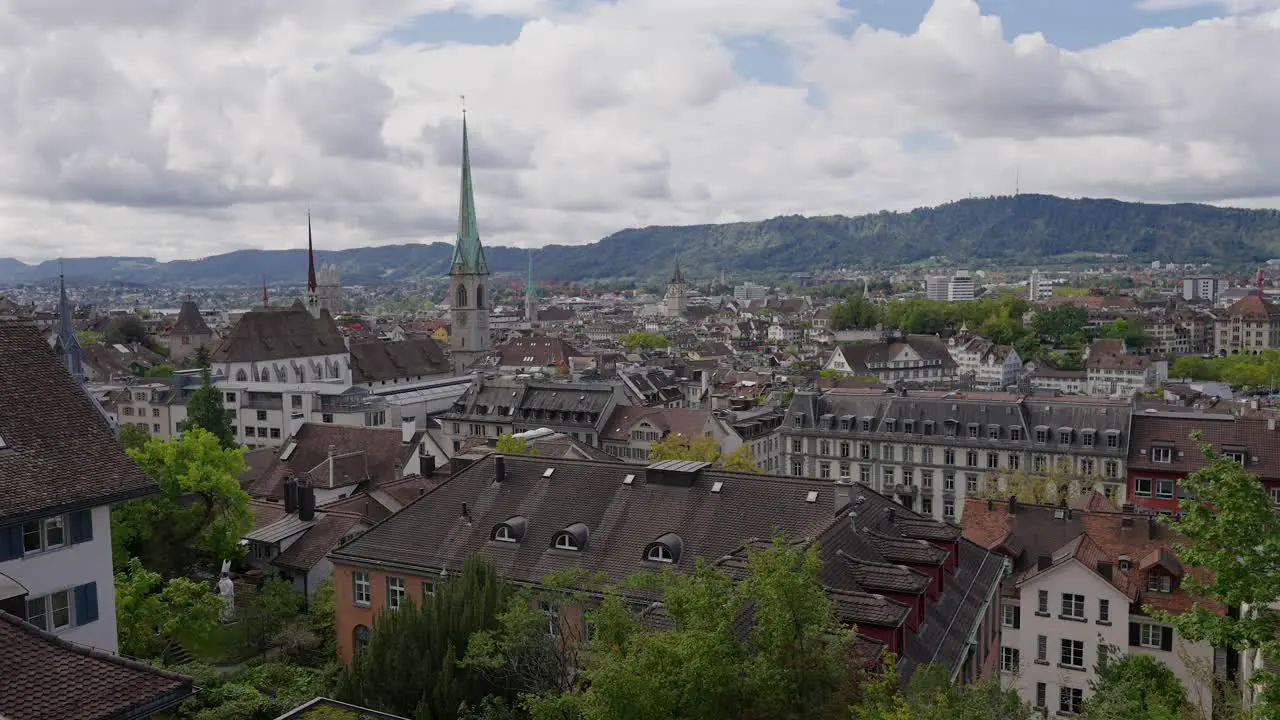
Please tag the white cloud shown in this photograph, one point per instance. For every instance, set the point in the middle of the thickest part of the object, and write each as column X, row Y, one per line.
column 186, row 129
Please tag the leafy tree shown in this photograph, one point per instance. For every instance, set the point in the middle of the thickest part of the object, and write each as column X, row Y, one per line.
column 149, row 609
column 856, row 313
column 1230, row 529
column 159, row 371
column 88, row 338
column 511, row 445
column 413, row 663
column 1134, row 687
column 133, row 437
column 1062, row 324
column 641, row 340
column 201, row 357
column 1124, row 330
column 199, row 511
column 740, row 460
column 126, row 330
column 930, row 695
column 676, row 446
column 205, row 410
column 257, row 692
column 1042, row 488
column 273, row 607
column 1195, row 367
column 320, row 617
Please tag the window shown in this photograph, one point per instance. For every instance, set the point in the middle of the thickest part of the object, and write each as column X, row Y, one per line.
column 395, row 592
column 949, row 481
column 926, row 455
column 1070, row 700
column 864, row 451
column 1142, row 487
column 1042, row 435
column 1073, row 653
column 948, row 457
column 428, row 588
column 993, row 461
column 1039, row 463
column 155, row 412
column 1235, row 455
column 1015, row 461
column 262, row 416
column 797, row 467
column 844, row 448
column 926, row 505
column 824, row 470
column 1064, row 437
column 1159, row 582
column 1104, row 610
column 1042, row 602
column 908, row 426
column 1162, row 454
column 948, row 508
column 565, row 541
column 553, row 617
column 660, row 553
column 973, row 430
column 360, row 637
column 1086, row 438
column 1113, row 439
column 1073, row 605
column 50, row 612
column 503, row 534
column 1010, row 616
column 1164, row 489
column 928, row 427
column 361, row 591
column 1111, row 468
column 993, row 432
column 1086, row 466
column 971, row 458
column 1009, row 659
column 797, row 445
column 824, row 447
column 1042, row 649
column 326, row 418
column 1150, row 636
column 1040, row 693
column 1015, row 433
column 46, row 534
column 970, row 483
column 866, row 425
column 908, row 454
column 461, row 300
column 886, row 476
column 926, row 479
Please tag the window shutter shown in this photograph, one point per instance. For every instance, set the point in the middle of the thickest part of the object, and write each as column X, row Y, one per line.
column 10, row 542
column 86, row 599
column 81, row 526
column 1133, row 634
column 1017, row 617
column 1166, row 638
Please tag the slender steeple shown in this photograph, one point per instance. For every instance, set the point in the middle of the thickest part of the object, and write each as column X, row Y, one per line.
column 266, row 301
column 676, row 277
column 311, row 264
column 468, row 255
column 530, row 295
column 67, row 344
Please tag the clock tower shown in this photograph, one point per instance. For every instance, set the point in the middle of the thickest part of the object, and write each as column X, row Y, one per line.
column 468, row 278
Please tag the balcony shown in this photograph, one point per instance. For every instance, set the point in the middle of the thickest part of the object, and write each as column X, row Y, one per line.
column 905, row 490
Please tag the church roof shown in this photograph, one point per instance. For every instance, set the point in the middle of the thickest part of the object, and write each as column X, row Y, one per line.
column 676, row 276
column 468, row 255
column 278, row 334
column 189, row 321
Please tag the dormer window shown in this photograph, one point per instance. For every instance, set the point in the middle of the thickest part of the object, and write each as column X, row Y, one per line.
column 866, row 424
column 573, row 537
column 890, row 424
column 1042, row 434
column 1159, row 582
column 1113, row 438
column 1015, row 432
column 908, row 426
column 1086, row 438
column 928, row 427
column 1161, row 454
column 1064, row 436
column 973, row 430
column 510, row 530
column 665, row 549
column 1231, row 452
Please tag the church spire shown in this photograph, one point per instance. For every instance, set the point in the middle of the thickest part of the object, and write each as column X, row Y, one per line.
column 68, row 345
column 468, row 255
column 676, row 277
column 311, row 263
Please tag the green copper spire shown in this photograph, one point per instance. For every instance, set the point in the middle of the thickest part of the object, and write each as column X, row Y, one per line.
column 468, row 255
column 528, row 288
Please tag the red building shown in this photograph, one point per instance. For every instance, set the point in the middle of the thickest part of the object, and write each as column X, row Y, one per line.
column 1162, row 452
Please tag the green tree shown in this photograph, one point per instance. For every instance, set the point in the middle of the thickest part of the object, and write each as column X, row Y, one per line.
column 511, row 445
column 257, row 692
column 740, row 460
column 272, row 608
column 150, row 610
column 159, row 371
column 930, row 695
column 641, row 340
column 89, row 338
column 1124, row 330
column 1134, row 687
column 126, row 330
column 200, row 510
column 205, row 410
column 678, row 447
column 413, row 663
column 133, row 437
column 201, row 357
column 1062, row 324
column 1195, row 367
column 856, row 313
column 1230, row 529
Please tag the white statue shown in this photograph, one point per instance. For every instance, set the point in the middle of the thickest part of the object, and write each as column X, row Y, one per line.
column 227, row 591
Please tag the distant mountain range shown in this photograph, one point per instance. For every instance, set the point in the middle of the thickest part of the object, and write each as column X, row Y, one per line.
column 1023, row 229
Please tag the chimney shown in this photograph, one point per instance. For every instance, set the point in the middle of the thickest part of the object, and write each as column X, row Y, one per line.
column 1151, row 527
column 306, row 501
column 1104, row 569
column 499, row 469
column 1043, row 562
column 466, row 515
column 290, row 496
column 408, row 426
column 427, row 464
column 333, row 450
column 893, row 515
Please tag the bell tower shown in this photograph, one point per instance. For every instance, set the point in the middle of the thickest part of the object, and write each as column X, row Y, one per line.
column 468, row 278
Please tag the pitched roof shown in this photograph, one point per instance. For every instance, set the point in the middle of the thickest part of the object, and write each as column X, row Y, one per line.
column 320, row 540
column 189, row 321
column 861, row 358
column 56, row 452
column 277, row 334
column 1249, row 435
column 360, row 454
column 43, row 676
column 376, row 361
column 538, row 350
column 683, row 421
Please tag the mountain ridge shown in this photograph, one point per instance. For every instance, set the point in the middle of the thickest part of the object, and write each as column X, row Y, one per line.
column 1021, row 229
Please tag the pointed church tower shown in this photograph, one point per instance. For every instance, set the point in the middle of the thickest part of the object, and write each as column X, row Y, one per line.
column 313, row 302
column 68, row 345
column 530, row 296
column 677, row 293
column 468, row 277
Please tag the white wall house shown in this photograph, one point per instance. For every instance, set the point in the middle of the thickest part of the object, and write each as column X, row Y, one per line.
column 993, row 366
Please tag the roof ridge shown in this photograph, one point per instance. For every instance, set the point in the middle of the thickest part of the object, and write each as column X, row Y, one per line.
column 88, row 651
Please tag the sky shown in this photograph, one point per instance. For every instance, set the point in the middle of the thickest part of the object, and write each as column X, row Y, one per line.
column 187, row 128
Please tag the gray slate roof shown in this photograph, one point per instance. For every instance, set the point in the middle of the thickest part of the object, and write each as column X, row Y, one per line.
column 278, row 334
column 57, row 453
column 189, row 321
column 377, row 361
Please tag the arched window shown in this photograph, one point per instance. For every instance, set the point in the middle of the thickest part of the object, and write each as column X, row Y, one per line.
column 503, row 533
column 660, row 553
column 565, row 541
column 480, row 296
column 241, row 376
column 360, row 637
column 461, row 301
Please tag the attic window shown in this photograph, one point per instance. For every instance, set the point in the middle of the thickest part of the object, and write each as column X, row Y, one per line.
column 717, row 486
column 3, row 444
column 660, row 553
column 503, row 533
column 665, row 549
column 547, row 473
column 510, row 531
column 573, row 537
column 811, row 497
column 628, row 479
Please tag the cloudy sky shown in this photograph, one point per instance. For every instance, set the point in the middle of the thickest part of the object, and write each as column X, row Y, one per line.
column 184, row 128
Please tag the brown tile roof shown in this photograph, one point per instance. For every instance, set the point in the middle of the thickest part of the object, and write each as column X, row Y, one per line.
column 1252, row 308
column 1093, row 501
column 689, row 423
column 265, row 513
column 377, row 361
column 44, row 677
column 360, row 454
column 545, row 351
column 318, row 541
column 1173, row 429
column 278, row 334
column 58, row 453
